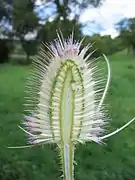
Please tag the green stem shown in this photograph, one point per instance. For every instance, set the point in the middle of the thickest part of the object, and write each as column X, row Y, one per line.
column 68, row 159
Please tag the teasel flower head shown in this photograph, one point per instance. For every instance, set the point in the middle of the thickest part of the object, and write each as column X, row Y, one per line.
column 65, row 105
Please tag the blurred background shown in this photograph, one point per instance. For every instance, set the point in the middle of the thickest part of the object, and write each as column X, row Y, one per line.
column 110, row 25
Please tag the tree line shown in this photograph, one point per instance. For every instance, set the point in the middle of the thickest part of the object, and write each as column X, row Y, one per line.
column 18, row 18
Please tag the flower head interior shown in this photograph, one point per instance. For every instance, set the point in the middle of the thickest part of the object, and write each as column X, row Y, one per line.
column 65, row 105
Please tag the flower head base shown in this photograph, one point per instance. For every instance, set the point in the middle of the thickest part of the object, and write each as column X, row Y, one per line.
column 64, row 104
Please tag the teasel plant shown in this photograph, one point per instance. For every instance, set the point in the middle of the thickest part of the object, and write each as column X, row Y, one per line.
column 65, row 100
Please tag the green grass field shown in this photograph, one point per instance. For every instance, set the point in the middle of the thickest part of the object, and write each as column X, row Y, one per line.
column 115, row 160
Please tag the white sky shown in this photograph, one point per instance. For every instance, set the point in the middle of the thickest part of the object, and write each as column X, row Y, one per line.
column 111, row 12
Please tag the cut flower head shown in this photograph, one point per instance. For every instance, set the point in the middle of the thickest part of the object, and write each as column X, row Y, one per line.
column 64, row 104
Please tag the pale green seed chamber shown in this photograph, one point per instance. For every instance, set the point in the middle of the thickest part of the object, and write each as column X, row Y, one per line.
column 67, row 89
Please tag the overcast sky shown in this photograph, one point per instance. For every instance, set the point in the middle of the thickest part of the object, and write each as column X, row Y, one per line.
column 105, row 17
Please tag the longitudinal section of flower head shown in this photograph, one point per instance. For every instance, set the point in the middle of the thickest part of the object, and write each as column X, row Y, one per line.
column 65, row 96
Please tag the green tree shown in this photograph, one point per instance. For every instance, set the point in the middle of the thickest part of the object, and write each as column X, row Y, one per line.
column 68, row 8
column 6, row 41
column 127, row 33
column 48, row 32
column 6, row 18
column 103, row 44
column 24, row 21
column 5, row 9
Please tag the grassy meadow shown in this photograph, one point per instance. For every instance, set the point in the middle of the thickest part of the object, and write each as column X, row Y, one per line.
column 115, row 160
